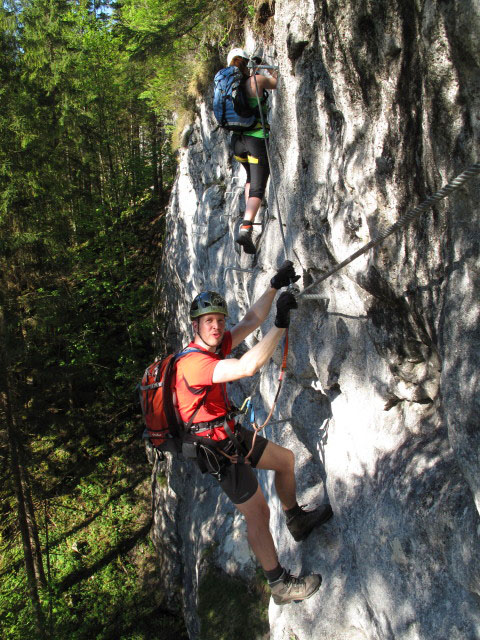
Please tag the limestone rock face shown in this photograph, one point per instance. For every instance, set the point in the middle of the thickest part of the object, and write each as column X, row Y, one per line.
column 378, row 106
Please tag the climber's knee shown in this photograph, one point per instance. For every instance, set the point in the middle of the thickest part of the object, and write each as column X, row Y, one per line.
column 257, row 193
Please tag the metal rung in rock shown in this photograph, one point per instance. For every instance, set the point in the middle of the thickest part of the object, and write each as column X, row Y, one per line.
column 226, row 269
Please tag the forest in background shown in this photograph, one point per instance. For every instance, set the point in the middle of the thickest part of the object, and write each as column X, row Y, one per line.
column 94, row 97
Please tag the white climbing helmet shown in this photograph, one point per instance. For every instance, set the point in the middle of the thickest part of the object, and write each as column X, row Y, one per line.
column 236, row 53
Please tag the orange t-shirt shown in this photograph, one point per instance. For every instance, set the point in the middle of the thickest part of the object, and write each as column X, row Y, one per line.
column 194, row 381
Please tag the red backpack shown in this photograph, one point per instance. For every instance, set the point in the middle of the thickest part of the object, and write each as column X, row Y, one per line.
column 164, row 426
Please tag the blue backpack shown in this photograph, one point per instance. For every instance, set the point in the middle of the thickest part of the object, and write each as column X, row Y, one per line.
column 230, row 104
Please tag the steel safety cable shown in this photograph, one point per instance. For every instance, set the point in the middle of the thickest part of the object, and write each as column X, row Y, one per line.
column 270, row 165
column 402, row 222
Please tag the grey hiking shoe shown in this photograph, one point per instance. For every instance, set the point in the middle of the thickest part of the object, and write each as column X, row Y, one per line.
column 244, row 239
column 289, row 588
column 301, row 524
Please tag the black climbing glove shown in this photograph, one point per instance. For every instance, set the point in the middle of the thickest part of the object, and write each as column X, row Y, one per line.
column 285, row 302
column 284, row 276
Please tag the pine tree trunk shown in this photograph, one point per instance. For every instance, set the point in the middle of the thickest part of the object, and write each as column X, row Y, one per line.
column 31, row 520
column 23, row 520
column 136, row 145
column 28, row 553
column 155, row 167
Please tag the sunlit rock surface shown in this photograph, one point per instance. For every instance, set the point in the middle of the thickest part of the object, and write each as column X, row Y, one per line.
column 377, row 108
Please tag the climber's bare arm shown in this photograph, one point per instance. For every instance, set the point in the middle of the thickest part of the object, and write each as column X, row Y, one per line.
column 236, row 368
column 263, row 82
column 255, row 316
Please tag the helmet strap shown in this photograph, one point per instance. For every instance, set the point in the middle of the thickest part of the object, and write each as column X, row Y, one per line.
column 197, row 329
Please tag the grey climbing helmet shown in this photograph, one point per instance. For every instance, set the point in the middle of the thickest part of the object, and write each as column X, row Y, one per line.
column 207, row 302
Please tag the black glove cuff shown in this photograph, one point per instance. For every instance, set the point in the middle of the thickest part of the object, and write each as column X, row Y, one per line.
column 281, row 322
column 275, row 285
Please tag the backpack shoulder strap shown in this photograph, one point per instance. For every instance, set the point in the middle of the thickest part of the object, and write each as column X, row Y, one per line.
column 186, row 351
column 239, row 447
column 177, row 357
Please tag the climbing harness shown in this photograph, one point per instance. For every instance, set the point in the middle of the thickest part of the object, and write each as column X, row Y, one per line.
column 402, row 222
column 267, row 147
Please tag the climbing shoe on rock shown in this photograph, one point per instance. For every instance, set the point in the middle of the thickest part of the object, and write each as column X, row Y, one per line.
column 289, row 588
column 300, row 523
column 244, row 238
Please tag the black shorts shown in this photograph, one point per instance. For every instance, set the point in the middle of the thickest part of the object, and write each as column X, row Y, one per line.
column 239, row 481
column 251, row 152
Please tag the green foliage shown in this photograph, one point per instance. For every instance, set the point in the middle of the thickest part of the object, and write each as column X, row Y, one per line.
column 86, row 164
column 158, row 25
column 185, row 44
column 104, row 582
column 80, row 232
column 87, row 337
column 251, row 11
column 230, row 608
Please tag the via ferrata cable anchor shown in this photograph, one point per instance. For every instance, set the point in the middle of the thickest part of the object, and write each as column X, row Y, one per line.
column 294, row 289
column 269, row 67
column 235, row 187
column 234, row 268
column 257, row 62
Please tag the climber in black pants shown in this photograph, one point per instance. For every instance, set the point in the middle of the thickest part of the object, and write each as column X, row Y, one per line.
column 252, row 154
column 250, row 149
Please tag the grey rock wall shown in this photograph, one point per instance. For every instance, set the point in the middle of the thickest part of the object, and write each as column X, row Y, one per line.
column 377, row 107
